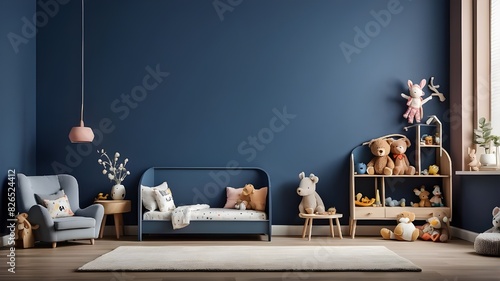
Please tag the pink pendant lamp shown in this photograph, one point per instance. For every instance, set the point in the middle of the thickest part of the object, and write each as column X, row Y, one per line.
column 81, row 134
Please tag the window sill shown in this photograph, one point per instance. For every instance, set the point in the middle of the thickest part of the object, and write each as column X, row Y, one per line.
column 478, row 173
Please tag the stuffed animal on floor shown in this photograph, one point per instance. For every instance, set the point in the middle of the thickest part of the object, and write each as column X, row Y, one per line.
column 404, row 231
column 244, row 202
column 436, row 228
column 381, row 163
column 311, row 202
column 424, row 197
column 496, row 221
column 24, row 232
column 401, row 163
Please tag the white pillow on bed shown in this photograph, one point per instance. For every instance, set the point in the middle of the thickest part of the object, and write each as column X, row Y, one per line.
column 164, row 200
column 148, row 195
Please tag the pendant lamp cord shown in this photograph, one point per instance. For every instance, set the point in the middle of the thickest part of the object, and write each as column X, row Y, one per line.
column 83, row 43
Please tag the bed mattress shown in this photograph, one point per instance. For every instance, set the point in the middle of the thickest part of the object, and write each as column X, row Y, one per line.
column 211, row 214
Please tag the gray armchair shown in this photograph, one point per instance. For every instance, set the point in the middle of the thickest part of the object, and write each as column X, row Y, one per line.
column 84, row 224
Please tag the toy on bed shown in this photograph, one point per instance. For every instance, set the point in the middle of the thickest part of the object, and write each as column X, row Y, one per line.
column 244, row 202
column 404, row 231
column 311, row 202
column 415, row 102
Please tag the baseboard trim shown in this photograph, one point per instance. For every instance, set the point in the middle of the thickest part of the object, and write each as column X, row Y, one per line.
column 296, row 230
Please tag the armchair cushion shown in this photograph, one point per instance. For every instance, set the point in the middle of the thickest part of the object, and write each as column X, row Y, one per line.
column 73, row 223
column 41, row 197
column 59, row 207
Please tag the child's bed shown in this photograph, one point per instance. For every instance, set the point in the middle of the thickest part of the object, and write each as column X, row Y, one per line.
column 202, row 193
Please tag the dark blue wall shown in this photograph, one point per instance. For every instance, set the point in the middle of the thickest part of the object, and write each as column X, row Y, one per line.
column 18, row 95
column 229, row 76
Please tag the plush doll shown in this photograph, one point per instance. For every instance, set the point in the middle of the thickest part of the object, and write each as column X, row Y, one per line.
column 381, row 163
column 424, row 197
column 433, row 170
column 393, row 202
column 436, row 228
column 415, row 101
column 496, row 221
column 474, row 163
column 404, row 231
column 360, row 168
column 24, row 232
column 311, row 201
column 244, row 202
column 401, row 164
column 437, row 198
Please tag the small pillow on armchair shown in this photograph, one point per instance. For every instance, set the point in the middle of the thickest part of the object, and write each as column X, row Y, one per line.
column 40, row 198
column 59, row 208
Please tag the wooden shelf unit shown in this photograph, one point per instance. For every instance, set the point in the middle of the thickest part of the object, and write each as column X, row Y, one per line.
column 381, row 182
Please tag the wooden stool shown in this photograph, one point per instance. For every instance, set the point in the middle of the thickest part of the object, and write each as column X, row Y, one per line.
column 309, row 223
column 115, row 208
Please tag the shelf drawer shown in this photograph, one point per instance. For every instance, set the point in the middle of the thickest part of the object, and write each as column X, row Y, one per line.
column 370, row 212
column 420, row 212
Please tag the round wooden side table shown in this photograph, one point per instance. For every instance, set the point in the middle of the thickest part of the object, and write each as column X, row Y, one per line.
column 309, row 223
column 115, row 208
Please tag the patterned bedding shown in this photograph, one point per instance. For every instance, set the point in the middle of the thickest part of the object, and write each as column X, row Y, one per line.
column 211, row 214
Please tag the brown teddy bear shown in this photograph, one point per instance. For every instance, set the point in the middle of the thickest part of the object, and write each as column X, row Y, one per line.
column 424, row 197
column 382, row 163
column 24, row 232
column 436, row 228
column 404, row 231
column 244, row 202
column 401, row 164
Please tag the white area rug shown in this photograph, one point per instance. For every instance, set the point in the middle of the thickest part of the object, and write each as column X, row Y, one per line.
column 250, row 258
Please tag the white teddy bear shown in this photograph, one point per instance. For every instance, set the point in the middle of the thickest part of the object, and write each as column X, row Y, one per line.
column 496, row 221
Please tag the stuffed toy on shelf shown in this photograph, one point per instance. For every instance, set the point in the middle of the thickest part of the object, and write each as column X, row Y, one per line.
column 381, row 163
column 401, row 163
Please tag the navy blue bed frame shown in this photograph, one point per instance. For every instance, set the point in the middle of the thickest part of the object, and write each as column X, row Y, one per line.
column 205, row 185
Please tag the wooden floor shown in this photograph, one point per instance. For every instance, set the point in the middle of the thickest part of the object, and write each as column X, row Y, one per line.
column 453, row 261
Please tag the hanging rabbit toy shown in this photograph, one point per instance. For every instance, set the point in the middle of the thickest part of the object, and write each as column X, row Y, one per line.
column 415, row 101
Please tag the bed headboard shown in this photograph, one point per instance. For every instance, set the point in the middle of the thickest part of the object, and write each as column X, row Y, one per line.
column 205, row 185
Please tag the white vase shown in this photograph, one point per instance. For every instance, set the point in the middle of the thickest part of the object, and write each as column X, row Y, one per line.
column 118, row 192
column 489, row 159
